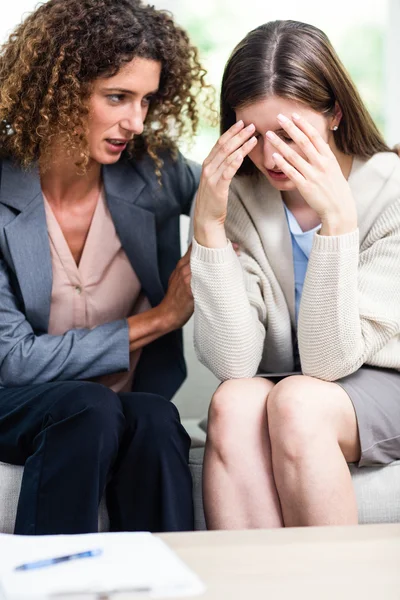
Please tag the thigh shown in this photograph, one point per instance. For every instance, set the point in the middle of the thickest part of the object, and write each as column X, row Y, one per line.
column 24, row 411
column 375, row 396
column 148, row 409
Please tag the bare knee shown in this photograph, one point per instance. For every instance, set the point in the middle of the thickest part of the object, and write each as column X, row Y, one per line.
column 236, row 408
column 299, row 413
column 306, row 413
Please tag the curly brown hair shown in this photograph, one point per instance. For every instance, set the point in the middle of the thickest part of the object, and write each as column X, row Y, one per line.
column 49, row 64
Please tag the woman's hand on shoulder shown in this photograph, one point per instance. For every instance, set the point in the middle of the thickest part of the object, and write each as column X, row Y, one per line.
column 177, row 306
column 318, row 176
column 218, row 170
column 172, row 313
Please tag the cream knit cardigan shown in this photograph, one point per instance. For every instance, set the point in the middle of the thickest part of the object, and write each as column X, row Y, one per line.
column 350, row 306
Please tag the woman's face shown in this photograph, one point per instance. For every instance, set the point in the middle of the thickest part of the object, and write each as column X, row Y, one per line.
column 263, row 114
column 118, row 107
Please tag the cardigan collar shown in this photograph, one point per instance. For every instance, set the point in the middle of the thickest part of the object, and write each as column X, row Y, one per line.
column 265, row 206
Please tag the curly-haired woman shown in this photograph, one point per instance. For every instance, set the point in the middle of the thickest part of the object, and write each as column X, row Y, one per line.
column 93, row 293
column 314, row 204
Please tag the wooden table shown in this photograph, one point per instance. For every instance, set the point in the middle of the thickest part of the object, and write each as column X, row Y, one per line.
column 321, row 563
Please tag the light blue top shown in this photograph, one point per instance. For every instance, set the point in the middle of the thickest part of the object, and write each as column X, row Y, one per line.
column 301, row 245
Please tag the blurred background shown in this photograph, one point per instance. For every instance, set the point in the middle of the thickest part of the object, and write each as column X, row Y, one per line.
column 364, row 34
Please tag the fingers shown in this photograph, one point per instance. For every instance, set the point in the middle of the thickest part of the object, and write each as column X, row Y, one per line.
column 226, row 147
column 293, row 174
column 230, row 166
column 236, row 248
column 289, row 154
column 180, row 280
column 183, row 267
column 186, row 257
column 305, row 136
column 225, row 137
column 312, row 134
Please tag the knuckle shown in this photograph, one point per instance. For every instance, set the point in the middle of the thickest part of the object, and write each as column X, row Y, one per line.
column 221, row 144
column 225, row 148
column 325, row 163
column 304, row 144
column 237, row 157
column 206, row 170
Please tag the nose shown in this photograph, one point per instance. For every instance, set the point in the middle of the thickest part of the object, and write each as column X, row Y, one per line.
column 134, row 120
column 268, row 150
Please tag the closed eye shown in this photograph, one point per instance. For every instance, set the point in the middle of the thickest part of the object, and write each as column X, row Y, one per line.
column 286, row 139
column 284, row 136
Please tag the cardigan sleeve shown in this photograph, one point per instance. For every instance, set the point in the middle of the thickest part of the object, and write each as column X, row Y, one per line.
column 230, row 315
column 350, row 306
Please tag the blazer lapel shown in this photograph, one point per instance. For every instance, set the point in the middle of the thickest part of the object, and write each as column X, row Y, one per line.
column 28, row 241
column 130, row 201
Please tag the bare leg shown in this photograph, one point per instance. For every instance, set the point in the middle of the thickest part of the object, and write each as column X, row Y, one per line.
column 314, row 434
column 238, row 486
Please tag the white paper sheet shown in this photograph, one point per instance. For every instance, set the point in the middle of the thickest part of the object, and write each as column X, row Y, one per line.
column 135, row 563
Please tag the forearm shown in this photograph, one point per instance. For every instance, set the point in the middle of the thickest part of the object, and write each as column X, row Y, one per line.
column 228, row 336
column 27, row 359
column 150, row 325
column 350, row 308
column 330, row 336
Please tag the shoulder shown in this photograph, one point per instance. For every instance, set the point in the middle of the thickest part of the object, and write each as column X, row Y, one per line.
column 178, row 173
column 381, row 167
column 375, row 184
column 376, row 179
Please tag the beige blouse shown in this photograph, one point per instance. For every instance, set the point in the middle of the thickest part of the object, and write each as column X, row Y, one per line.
column 103, row 288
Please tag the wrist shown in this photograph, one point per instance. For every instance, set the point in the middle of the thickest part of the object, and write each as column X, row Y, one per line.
column 210, row 234
column 152, row 322
column 166, row 317
column 338, row 224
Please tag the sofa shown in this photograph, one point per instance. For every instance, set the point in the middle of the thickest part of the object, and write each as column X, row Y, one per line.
column 377, row 490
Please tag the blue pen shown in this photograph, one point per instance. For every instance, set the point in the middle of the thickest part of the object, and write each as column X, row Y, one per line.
column 47, row 562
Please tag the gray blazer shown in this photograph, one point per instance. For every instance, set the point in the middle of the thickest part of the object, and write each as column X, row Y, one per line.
column 146, row 218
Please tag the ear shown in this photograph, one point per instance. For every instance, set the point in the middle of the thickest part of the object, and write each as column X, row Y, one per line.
column 337, row 116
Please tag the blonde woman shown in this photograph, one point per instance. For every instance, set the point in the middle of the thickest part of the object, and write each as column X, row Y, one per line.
column 303, row 328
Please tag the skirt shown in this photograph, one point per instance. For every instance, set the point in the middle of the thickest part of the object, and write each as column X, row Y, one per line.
column 375, row 395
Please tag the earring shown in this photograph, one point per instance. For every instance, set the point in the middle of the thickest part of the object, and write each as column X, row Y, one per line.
column 335, row 128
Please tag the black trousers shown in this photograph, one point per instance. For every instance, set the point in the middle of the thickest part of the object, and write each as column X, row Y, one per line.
column 80, row 439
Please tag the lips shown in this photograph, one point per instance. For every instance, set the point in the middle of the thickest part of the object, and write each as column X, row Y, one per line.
column 117, row 142
column 116, row 145
column 277, row 175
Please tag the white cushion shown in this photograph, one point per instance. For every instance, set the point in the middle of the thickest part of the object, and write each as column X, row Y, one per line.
column 377, row 490
column 10, row 484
